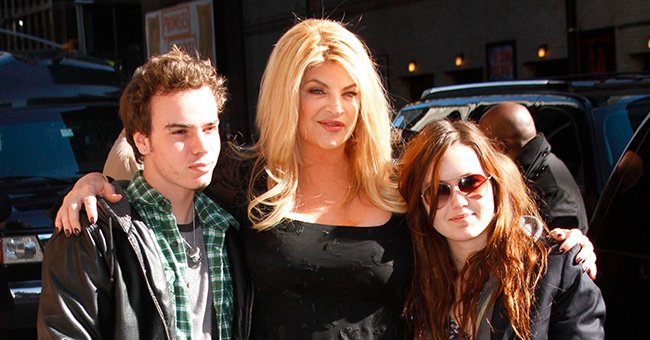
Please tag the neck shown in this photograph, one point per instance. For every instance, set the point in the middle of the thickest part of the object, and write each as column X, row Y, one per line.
column 326, row 172
column 312, row 156
column 181, row 199
column 322, row 188
column 461, row 252
column 183, row 211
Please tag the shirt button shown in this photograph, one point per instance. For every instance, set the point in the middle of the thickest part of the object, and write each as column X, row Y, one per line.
column 188, row 285
column 175, row 243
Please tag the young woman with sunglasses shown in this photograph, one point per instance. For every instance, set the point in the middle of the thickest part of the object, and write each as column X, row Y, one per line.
column 482, row 271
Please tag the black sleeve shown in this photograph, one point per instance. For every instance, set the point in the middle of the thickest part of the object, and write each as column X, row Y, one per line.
column 566, row 222
column 230, row 181
column 565, row 206
column 76, row 284
column 578, row 307
column 58, row 202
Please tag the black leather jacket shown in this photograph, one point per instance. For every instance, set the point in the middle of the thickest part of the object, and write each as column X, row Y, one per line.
column 559, row 197
column 568, row 304
column 108, row 282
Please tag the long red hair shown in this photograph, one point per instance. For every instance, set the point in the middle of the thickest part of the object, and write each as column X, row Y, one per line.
column 513, row 258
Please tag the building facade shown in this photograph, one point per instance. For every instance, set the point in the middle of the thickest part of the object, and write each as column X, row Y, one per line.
column 417, row 43
column 423, row 43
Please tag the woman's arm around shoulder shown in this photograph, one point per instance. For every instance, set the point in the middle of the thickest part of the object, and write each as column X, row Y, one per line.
column 578, row 310
column 75, row 279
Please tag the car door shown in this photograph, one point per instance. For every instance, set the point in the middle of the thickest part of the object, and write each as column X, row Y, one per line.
column 620, row 231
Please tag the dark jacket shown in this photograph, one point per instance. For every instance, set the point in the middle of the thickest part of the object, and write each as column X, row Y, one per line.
column 568, row 304
column 109, row 282
column 559, row 197
column 228, row 188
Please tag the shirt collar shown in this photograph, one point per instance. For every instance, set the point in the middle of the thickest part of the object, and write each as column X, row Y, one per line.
column 139, row 192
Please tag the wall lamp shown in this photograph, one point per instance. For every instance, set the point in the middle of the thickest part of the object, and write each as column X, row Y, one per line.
column 648, row 41
column 459, row 60
column 413, row 66
column 542, row 51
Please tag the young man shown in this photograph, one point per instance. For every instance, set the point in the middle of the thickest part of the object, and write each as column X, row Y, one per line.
column 154, row 265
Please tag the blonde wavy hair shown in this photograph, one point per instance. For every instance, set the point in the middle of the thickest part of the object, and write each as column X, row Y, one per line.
column 511, row 256
column 308, row 44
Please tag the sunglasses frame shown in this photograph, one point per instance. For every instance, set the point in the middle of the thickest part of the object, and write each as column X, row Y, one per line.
column 450, row 188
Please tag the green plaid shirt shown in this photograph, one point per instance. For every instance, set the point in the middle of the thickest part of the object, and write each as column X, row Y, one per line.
column 156, row 212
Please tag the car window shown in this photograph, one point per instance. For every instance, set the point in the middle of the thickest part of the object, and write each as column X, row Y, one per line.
column 560, row 128
column 620, row 118
column 621, row 221
column 407, row 117
column 435, row 113
column 616, row 130
column 56, row 143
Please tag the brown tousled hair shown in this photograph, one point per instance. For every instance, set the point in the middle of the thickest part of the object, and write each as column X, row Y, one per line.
column 514, row 259
column 172, row 72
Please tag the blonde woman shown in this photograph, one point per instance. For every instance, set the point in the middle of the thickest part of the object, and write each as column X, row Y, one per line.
column 327, row 255
column 481, row 269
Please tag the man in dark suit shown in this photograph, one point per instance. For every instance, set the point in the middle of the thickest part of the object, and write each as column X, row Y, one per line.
column 558, row 194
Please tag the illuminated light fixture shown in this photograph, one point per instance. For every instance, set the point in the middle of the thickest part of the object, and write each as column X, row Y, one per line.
column 648, row 41
column 20, row 249
column 20, row 23
column 459, row 60
column 413, row 65
column 542, row 51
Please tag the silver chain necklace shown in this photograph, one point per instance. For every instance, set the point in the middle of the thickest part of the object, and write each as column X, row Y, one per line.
column 192, row 251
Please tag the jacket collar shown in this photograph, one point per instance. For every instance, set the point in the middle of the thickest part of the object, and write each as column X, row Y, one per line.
column 532, row 158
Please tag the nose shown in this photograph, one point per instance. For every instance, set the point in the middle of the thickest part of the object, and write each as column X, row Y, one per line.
column 336, row 104
column 201, row 143
column 457, row 198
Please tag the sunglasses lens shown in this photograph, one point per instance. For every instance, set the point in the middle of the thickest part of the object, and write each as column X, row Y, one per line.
column 470, row 184
column 444, row 191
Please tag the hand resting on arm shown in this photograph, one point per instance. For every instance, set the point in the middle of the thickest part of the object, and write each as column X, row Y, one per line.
column 95, row 184
column 83, row 193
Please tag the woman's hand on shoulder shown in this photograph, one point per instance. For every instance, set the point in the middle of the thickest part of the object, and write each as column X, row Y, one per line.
column 83, row 193
column 586, row 257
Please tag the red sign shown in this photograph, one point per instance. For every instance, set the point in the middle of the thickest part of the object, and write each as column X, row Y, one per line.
column 176, row 22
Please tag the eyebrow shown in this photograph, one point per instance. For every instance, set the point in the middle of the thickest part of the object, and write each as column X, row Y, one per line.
column 353, row 85
column 187, row 125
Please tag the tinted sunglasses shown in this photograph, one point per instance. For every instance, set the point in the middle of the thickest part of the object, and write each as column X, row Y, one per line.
column 472, row 186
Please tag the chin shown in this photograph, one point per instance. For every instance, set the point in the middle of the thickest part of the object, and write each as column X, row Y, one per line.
column 200, row 183
column 201, row 187
column 333, row 145
column 203, row 184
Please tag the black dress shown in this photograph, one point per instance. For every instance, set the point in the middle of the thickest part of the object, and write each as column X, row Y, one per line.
column 314, row 281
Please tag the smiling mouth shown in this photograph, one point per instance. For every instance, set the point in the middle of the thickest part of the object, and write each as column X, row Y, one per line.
column 460, row 217
column 331, row 123
column 332, row 126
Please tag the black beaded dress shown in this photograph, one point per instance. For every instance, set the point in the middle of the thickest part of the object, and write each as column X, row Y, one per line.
column 314, row 281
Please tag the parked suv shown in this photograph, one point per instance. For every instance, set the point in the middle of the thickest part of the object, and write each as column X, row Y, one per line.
column 58, row 120
column 588, row 123
column 620, row 231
